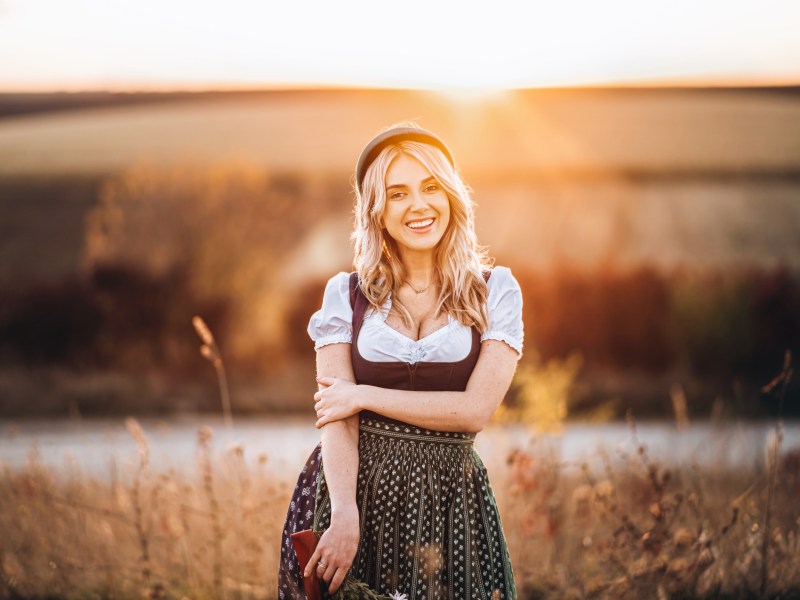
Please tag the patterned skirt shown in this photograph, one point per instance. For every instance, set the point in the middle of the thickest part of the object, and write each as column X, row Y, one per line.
column 430, row 528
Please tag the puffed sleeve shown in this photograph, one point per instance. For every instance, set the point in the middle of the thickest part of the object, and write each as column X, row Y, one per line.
column 332, row 323
column 504, row 306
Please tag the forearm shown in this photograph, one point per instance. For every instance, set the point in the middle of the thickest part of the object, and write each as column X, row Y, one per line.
column 340, row 462
column 442, row 411
column 469, row 410
column 340, row 438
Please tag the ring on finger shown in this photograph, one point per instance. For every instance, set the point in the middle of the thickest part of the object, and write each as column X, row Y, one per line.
column 323, row 565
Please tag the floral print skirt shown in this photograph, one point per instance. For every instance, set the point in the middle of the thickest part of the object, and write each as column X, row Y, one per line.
column 430, row 528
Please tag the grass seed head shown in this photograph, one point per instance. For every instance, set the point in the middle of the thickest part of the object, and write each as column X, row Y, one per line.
column 138, row 436
column 202, row 330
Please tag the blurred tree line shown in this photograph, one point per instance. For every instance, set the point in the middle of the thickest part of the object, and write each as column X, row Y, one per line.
column 164, row 244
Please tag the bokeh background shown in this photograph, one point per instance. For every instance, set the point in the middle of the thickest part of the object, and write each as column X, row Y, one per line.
column 636, row 165
column 655, row 233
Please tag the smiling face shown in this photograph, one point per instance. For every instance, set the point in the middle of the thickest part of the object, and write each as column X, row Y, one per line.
column 417, row 209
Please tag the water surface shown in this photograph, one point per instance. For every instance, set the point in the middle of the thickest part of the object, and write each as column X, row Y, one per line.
column 93, row 446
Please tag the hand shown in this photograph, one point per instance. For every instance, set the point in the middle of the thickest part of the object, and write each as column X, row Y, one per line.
column 338, row 400
column 336, row 550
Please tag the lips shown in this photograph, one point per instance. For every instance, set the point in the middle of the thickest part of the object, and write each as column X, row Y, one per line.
column 421, row 225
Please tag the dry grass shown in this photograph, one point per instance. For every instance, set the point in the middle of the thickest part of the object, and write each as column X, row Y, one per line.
column 637, row 529
column 208, row 534
column 630, row 529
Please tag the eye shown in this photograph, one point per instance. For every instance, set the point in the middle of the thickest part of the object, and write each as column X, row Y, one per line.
column 431, row 187
column 396, row 195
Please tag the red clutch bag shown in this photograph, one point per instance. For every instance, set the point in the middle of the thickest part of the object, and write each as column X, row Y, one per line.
column 305, row 542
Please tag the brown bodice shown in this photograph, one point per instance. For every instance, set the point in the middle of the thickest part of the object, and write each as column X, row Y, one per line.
column 422, row 376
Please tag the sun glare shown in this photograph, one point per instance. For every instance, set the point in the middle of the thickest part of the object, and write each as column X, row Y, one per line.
column 472, row 96
column 459, row 48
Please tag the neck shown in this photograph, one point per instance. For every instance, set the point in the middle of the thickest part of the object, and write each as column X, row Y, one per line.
column 418, row 267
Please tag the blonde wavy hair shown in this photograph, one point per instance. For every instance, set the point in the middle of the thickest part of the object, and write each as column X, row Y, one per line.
column 459, row 261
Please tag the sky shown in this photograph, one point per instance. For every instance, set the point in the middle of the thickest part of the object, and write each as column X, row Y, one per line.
column 49, row 45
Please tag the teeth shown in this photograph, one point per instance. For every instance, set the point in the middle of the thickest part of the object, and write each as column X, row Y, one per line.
column 420, row 224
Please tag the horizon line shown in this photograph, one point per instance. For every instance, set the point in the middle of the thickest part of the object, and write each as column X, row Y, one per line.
column 358, row 88
column 219, row 86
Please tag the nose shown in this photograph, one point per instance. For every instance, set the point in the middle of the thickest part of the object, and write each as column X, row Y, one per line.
column 417, row 200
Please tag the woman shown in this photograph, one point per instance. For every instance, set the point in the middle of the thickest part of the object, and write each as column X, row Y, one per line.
column 415, row 351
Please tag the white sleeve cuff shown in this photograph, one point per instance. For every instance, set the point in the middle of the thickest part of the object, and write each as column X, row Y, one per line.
column 333, row 339
column 504, row 337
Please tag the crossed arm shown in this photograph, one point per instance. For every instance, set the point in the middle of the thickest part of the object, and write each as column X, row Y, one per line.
column 469, row 410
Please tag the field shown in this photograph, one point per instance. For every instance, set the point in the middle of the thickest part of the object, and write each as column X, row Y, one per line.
column 631, row 529
column 603, row 131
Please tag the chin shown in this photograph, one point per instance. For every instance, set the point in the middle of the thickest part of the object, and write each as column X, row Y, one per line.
column 423, row 245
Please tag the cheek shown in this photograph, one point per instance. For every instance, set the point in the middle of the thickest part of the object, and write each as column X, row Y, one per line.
column 385, row 215
column 444, row 209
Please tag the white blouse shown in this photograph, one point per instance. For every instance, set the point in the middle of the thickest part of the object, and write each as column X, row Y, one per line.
column 378, row 342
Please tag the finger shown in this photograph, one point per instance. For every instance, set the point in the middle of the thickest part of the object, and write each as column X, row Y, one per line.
column 322, row 572
column 337, row 580
column 312, row 562
column 318, row 406
column 324, row 419
column 318, row 395
column 326, row 380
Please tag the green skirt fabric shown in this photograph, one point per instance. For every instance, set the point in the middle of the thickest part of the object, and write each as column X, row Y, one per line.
column 430, row 528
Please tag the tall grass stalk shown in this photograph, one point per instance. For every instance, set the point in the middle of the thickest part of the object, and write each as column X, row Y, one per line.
column 204, row 436
column 210, row 351
column 773, row 464
column 136, row 494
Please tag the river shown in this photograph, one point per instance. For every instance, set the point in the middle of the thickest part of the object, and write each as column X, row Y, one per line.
column 95, row 447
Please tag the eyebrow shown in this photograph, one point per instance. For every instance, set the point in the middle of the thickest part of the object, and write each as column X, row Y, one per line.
column 402, row 185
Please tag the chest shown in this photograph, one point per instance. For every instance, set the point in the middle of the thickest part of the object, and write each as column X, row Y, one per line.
column 424, row 319
column 387, row 357
column 442, row 360
column 377, row 341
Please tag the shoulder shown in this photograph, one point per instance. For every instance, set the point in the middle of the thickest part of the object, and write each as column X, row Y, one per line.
column 502, row 280
column 338, row 281
column 332, row 322
column 504, row 307
column 337, row 289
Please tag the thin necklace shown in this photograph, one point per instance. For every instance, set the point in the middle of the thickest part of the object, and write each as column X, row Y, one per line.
column 416, row 291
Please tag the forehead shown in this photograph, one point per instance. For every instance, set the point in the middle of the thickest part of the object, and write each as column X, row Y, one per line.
column 406, row 170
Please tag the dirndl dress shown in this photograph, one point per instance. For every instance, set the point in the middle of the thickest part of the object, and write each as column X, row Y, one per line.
column 429, row 524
